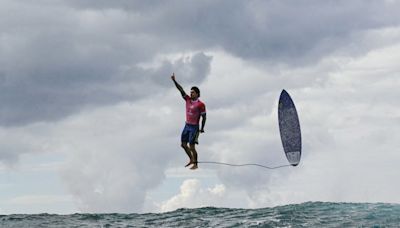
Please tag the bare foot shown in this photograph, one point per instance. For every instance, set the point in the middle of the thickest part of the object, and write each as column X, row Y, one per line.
column 190, row 162
column 194, row 166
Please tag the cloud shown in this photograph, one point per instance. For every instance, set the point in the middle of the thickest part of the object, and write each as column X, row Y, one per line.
column 275, row 31
column 91, row 81
column 111, row 166
column 116, row 154
column 348, row 126
column 60, row 58
column 192, row 195
column 52, row 68
column 111, row 156
column 45, row 96
column 15, row 142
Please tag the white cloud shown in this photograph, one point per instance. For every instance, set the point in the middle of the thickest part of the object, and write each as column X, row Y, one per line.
column 193, row 195
column 118, row 153
column 113, row 155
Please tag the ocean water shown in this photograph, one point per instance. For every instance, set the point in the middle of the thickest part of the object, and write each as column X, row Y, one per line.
column 310, row 214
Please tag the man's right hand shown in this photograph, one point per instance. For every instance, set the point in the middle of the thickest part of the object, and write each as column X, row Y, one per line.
column 173, row 77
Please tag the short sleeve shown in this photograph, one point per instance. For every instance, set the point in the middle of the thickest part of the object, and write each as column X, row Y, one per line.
column 202, row 109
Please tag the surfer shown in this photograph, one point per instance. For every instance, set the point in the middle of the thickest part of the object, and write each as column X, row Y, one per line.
column 194, row 110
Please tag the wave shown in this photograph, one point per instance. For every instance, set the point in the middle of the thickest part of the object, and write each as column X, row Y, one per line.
column 309, row 214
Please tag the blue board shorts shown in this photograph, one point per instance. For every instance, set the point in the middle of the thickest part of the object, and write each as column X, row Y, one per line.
column 190, row 134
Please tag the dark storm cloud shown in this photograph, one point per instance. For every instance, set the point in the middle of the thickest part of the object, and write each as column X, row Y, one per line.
column 50, row 94
column 54, row 63
column 57, row 57
column 277, row 31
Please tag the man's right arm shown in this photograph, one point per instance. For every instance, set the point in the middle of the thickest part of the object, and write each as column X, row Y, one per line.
column 179, row 87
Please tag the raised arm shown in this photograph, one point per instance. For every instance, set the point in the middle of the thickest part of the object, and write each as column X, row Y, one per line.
column 179, row 87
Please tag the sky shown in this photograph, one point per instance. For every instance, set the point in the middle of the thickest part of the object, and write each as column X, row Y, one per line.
column 90, row 120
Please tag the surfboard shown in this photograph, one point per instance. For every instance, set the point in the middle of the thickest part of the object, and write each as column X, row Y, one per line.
column 289, row 128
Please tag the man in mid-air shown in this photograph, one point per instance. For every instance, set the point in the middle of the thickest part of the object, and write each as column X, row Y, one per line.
column 194, row 110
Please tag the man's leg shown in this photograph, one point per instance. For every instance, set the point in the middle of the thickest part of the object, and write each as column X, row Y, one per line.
column 187, row 150
column 194, row 155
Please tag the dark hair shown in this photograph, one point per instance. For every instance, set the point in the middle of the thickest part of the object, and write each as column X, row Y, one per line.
column 196, row 90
